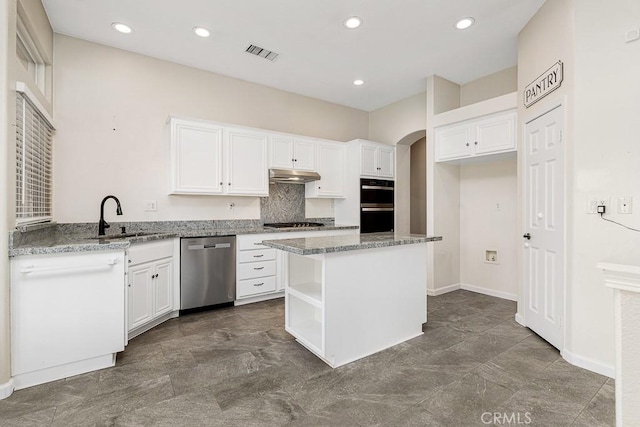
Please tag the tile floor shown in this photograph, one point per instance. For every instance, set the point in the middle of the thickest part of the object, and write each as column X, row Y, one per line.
column 238, row 367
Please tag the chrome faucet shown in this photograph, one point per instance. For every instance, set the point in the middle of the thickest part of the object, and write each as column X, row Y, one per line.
column 103, row 224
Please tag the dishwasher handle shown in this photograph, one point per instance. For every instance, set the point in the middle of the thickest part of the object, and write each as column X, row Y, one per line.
column 213, row 246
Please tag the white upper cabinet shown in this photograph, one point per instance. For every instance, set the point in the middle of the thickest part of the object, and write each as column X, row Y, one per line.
column 212, row 159
column 196, row 157
column 288, row 152
column 246, row 163
column 492, row 134
column 376, row 160
column 331, row 167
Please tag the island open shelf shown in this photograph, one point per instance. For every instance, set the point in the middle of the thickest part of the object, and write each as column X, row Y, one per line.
column 343, row 305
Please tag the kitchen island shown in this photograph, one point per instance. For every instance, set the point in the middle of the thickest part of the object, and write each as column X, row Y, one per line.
column 348, row 297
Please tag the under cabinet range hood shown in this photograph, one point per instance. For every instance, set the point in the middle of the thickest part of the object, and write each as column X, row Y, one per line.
column 290, row 176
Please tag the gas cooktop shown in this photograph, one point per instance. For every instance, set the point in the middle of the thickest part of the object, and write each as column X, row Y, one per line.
column 294, row 225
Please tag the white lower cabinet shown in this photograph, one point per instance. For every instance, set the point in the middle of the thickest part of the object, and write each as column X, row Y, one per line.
column 151, row 286
column 261, row 272
column 67, row 314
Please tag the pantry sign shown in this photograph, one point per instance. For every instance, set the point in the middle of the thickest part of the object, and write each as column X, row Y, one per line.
column 549, row 81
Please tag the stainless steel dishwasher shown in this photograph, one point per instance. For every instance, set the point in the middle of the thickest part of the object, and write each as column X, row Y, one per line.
column 207, row 271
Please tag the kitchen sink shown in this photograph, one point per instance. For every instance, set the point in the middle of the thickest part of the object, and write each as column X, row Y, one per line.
column 127, row 235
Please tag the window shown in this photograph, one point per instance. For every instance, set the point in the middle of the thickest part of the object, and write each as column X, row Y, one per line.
column 30, row 57
column 34, row 161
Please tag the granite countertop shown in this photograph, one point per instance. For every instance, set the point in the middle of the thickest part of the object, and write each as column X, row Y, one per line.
column 69, row 239
column 323, row 245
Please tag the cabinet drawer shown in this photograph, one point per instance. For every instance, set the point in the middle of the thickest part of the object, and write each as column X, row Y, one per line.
column 248, row 242
column 257, row 255
column 256, row 269
column 249, row 287
column 145, row 252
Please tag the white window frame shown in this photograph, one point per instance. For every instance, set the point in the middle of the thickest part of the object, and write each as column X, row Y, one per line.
column 40, row 211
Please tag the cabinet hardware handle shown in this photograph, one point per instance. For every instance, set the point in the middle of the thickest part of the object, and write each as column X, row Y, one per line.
column 129, row 261
column 220, row 183
column 258, row 256
column 476, row 143
column 318, row 188
column 258, row 284
column 295, row 160
column 258, row 268
column 467, row 144
column 129, row 285
column 229, row 183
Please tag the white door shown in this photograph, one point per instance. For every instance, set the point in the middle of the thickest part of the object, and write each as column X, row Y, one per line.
column 247, row 172
column 544, row 226
column 495, row 134
column 385, row 162
column 368, row 160
column 140, row 295
column 281, row 150
column 304, row 154
column 163, row 287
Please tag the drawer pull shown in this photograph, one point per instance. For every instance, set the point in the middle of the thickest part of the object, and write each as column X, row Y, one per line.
column 258, row 268
column 258, row 284
column 258, row 256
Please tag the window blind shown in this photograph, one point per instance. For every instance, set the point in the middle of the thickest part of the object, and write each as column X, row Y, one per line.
column 34, row 163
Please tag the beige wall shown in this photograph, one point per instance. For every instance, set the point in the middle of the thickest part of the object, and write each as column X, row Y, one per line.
column 605, row 160
column 602, row 158
column 392, row 123
column 418, row 187
column 496, row 84
column 488, row 221
column 99, row 89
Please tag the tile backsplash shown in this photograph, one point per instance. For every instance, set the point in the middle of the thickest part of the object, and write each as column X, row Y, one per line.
column 284, row 204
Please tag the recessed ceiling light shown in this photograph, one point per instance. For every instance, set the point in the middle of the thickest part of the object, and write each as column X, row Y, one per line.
column 358, row 82
column 123, row 28
column 465, row 23
column 201, row 31
column 352, row 22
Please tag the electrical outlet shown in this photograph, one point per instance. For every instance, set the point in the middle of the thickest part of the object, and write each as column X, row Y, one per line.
column 625, row 204
column 150, row 206
column 231, row 206
column 595, row 201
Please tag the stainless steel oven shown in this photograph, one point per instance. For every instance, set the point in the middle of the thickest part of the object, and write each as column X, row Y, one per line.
column 376, row 205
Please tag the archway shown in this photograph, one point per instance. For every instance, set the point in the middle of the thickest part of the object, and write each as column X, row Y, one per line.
column 411, row 183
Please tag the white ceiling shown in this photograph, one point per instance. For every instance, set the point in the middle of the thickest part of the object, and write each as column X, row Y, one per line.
column 400, row 43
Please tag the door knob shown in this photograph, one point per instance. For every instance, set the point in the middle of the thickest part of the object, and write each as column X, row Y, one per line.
column 527, row 236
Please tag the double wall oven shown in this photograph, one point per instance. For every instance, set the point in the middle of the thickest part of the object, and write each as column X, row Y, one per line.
column 376, row 205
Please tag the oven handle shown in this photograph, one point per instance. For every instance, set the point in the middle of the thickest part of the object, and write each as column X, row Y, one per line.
column 376, row 209
column 376, row 187
column 376, row 205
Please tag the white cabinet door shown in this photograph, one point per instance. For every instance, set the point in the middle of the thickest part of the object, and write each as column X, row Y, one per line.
column 196, row 158
column 453, row 142
column 385, row 162
column 331, row 164
column 281, row 152
column 247, row 163
column 368, row 160
column 495, row 134
column 304, row 154
column 163, row 287
column 140, row 295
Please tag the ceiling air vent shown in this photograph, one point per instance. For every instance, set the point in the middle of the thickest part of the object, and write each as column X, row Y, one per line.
column 261, row 52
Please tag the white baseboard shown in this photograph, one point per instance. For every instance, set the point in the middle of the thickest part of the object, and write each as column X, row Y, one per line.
column 442, row 291
column 589, row 364
column 259, row 298
column 520, row 319
column 6, row 389
column 472, row 288
column 490, row 292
